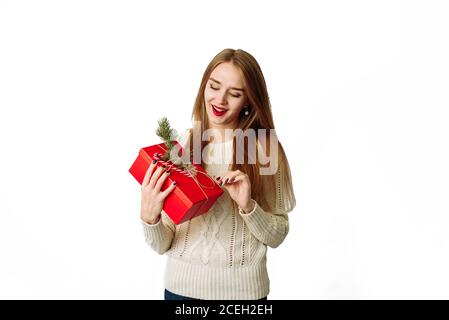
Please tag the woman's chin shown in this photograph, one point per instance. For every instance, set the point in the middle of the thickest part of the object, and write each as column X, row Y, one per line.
column 217, row 120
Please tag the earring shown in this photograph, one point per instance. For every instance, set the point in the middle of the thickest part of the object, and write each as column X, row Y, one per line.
column 246, row 111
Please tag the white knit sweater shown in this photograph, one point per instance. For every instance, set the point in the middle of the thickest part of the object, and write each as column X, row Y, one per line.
column 221, row 254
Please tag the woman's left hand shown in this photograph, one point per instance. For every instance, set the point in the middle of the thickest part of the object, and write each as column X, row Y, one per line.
column 239, row 187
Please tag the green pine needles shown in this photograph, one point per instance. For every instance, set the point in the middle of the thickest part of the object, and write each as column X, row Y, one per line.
column 168, row 135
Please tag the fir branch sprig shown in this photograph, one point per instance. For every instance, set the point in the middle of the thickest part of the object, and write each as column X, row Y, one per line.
column 165, row 132
column 168, row 135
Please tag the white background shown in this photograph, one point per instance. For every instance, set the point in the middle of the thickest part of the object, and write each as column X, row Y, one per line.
column 359, row 91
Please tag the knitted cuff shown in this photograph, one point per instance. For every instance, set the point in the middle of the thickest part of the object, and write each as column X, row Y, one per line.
column 246, row 214
column 154, row 233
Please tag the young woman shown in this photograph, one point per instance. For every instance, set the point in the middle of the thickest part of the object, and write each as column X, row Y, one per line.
column 222, row 254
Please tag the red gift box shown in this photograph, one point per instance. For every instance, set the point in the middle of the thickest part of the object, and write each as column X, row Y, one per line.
column 194, row 194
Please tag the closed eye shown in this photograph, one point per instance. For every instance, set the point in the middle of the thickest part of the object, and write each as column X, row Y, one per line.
column 234, row 95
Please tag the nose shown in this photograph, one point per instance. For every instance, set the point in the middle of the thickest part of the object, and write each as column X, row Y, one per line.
column 221, row 98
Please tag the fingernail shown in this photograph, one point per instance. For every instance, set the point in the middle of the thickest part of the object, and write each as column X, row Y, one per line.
column 218, row 178
column 154, row 161
column 168, row 171
column 174, row 183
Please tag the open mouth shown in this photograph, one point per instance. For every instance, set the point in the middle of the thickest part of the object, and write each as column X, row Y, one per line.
column 218, row 111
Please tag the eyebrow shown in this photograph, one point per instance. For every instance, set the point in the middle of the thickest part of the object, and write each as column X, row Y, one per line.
column 215, row 80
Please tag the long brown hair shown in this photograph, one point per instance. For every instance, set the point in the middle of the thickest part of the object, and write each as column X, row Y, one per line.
column 260, row 117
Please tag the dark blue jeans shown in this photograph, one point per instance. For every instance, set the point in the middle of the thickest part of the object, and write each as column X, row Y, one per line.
column 173, row 296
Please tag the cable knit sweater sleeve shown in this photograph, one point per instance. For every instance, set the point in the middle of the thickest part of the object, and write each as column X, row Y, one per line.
column 270, row 228
column 159, row 235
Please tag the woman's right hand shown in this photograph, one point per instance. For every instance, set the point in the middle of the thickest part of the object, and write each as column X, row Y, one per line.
column 152, row 196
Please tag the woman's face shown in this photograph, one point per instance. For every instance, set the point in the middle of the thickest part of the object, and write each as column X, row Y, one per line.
column 224, row 96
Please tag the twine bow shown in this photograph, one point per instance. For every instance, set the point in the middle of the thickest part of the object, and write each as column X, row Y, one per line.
column 189, row 172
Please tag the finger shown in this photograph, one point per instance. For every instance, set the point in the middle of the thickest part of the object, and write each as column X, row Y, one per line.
column 167, row 191
column 161, row 180
column 238, row 178
column 225, row 176
column 231, row 176
column 218, row 180
column 221, row 179
column 155, row 176
column 147, row 176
